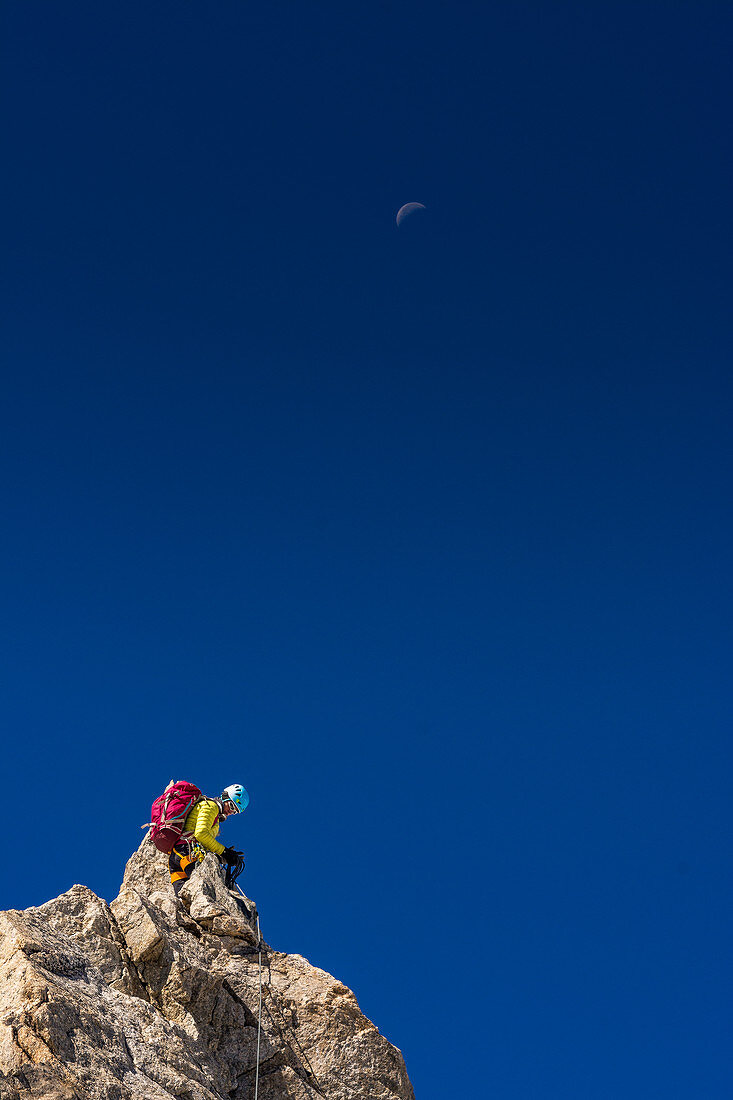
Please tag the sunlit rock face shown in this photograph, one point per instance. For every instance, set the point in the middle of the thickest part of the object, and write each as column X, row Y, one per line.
column 141, row 999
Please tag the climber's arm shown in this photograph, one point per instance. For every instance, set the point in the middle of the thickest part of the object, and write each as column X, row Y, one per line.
column 203, row 830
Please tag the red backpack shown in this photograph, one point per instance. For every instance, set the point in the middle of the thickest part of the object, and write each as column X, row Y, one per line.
column 169, row 812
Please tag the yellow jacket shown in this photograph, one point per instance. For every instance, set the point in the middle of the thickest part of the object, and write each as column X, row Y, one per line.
column 203, row 822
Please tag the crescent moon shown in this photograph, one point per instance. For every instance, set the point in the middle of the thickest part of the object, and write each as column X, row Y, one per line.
column 406, row 210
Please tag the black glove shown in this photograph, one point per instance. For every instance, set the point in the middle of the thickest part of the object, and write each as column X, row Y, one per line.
column 231, row 857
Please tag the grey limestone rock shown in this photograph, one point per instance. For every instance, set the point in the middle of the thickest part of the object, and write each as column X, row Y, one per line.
column 151, row 1000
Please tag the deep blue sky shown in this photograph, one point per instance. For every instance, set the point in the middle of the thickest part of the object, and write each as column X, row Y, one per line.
column 423, row 534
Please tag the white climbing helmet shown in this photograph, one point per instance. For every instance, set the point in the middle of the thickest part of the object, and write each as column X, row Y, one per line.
column 237, row 795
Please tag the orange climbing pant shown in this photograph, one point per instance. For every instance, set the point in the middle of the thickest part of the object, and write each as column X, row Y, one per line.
column 181, row 863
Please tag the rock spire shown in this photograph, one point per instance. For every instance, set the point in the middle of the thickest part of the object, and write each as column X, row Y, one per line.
column 137, row 1000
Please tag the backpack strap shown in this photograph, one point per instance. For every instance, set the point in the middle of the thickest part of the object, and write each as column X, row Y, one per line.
column 185, row 835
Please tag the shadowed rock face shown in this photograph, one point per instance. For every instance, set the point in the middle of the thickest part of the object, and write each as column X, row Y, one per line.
column 132, row 999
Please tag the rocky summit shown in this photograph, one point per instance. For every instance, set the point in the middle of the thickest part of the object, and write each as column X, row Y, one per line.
column 144, row 999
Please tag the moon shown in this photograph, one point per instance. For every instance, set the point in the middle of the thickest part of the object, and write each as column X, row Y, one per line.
column 406, row 210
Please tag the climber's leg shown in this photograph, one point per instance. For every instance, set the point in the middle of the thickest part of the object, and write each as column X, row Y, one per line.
column 181, row 863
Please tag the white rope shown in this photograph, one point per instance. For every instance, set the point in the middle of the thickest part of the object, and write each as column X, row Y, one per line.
column 259, row 1010
column 259, row 1007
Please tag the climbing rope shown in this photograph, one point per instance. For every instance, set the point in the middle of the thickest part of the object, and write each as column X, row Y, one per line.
column 259, row 1009
column 233, row 872
column 230, row 881
column 310, row 1071
column 237, row 887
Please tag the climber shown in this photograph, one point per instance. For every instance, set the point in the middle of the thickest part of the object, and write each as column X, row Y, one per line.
column 199, row 834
